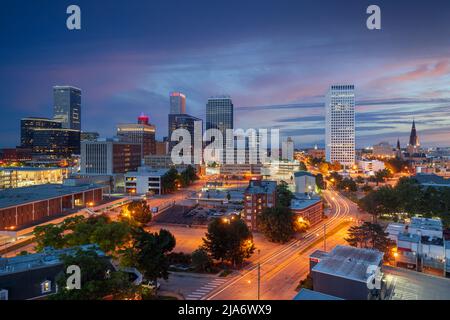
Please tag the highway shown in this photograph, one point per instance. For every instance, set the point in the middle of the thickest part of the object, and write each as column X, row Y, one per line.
column 281, row 270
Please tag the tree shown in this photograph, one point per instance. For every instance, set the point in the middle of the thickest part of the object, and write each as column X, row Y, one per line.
column 335, row 166
column 49, row 235
column 320, row 182
column 169, row 180
column 370, row 235
column 347, row 184
column 140, row 212
column 284, row 195
column 149, row 252
column 302, row 166
column 201, row 261
column 98, row 279
column 335, row 178
column 382, row 201
column 359, row 180
column 228, row 196
column 324, row 168
column 229, row 240
column 277, row 224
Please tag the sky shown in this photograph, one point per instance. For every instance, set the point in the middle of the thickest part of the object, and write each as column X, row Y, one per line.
column 276, row 59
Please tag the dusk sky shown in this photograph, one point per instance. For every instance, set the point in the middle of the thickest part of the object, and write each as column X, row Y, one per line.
column 276, row 60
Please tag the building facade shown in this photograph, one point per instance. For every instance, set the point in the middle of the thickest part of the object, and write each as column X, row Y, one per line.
column 340, row 124
column 145, row 181
column 56, row 143
column 67, row 106
column 142, row 133
column 23, row 207
column 30, row 176
column 109, row 157
column 259, row 195
column 383, row 150
column 177, row 103
column 287, row 148
column 30, row 124
column 189, row 123
column 220, row 114
column 308, row 208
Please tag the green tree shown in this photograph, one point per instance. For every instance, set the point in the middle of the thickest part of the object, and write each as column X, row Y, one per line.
column 359, row 180
column 229, row 240
column 169, row 180
column 49, row 235
column 149, row 253
column 347, row 184
column 201, row 261
column 284, row 195
column 302, row 166
column 320, row 182
column 370, row 235
column 98, row 279
column 277, row 224
column 140, row 212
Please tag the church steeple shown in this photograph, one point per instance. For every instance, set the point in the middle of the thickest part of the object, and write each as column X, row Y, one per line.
column 413, row 138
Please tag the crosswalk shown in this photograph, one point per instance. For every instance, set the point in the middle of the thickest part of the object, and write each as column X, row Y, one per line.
column 205, row 289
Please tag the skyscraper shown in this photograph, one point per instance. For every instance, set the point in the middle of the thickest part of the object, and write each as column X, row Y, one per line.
column 340, row 124
column 67, row 106
column 142, row 132
column 184, row 121
column 177, row 103
column 220, row 114
column 287, row 149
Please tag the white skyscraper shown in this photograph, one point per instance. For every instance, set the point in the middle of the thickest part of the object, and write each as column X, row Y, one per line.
column 287, row 149
column 340, row 124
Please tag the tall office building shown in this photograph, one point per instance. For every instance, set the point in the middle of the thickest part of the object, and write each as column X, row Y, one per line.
column 30, row 124
column 340, row 124
column 220, row 113
column 287, row 149
column 177, row 103
column 141, row 132
column 67, row 106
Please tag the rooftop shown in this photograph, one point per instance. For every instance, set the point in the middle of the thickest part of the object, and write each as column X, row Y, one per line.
column 426, row 224
column 147, row 171
column 19, row 196
column 306, row 294
column 349, row 262
column 261, row 186
column 431, row 179
column 303, row 173
column 301, row 201
column 46, row 258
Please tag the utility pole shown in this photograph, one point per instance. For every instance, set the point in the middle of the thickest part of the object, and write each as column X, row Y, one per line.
column 324, row 237
column 259, row 274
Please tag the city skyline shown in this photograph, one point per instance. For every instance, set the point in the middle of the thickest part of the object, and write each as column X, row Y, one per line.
column 281, row 83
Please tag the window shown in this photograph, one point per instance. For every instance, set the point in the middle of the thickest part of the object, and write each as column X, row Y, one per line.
column 3, row 295
column 46, row 286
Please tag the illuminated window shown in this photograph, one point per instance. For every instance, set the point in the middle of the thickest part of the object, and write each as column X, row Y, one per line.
column 46, row 286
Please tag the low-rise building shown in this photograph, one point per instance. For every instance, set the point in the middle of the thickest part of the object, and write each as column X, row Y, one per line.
column 420, row 244
column 259, row 195
column 350, row 273
column 307, row 208
column 383, row 150
column 145, row 181
column 17, row 177
column 305, row 182
column 369, row 167
column 280, row 170
column 28, row 206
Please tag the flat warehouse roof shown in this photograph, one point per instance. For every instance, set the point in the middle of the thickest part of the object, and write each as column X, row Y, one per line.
column 349, row 262
column 20, row 196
